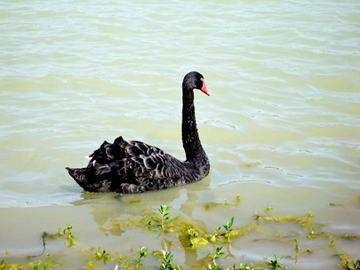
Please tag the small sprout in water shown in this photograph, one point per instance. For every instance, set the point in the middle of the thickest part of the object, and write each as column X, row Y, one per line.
column 269, row 207
column 69, row 235
column 104, row 255
column 164, row 217
column 241, row 267
column 275, row 263
column 143, row 252
column 166, row 263
column 218, row 253
column 216, row 234
column 296, row 244
column 257, row 216
column 355, row 265
column 310, row 214
column 228, row 229
column 212, row 267
column 311, row 233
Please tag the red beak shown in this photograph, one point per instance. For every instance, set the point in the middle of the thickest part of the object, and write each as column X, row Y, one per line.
column 203, row 88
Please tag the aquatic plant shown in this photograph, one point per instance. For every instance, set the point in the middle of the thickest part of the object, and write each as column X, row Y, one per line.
column 217, row 254
column 143, row 252
column 213, row 267
column 210, row 205
column 101, row 255
column 353, row 265
column 275, row 263
column 164, row 217
column 311, row 233
column 241, row 267
column 228, row 229
column 166, row 262
column 296, row 243
column 216, row 234
column 190, row 237
column 66, row 234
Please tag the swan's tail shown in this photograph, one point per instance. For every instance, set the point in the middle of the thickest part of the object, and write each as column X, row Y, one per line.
column 78, row 175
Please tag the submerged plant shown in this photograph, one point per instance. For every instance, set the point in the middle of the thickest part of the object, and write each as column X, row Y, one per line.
column 213, row 204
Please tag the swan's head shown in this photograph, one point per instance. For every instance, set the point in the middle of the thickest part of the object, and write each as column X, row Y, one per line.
column 194, row 80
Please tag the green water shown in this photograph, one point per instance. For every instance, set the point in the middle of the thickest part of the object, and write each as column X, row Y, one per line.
column 281, row 126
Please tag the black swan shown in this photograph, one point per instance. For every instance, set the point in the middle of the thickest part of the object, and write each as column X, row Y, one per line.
column 134, row 167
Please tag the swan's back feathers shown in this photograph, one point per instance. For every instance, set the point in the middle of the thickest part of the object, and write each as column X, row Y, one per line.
column 132, row 167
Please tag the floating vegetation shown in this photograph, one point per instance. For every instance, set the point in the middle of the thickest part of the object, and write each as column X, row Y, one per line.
column 210, row 205
column 337, row 204
column 191, row 238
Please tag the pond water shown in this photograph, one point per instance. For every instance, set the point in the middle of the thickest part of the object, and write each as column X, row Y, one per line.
column 281, row 128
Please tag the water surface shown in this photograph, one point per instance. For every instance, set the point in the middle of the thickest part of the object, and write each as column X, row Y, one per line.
column 281, row 127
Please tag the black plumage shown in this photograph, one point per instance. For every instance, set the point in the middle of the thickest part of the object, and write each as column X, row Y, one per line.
column 133, row 166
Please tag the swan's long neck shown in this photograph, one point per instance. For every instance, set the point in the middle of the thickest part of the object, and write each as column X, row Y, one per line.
column 190, row 137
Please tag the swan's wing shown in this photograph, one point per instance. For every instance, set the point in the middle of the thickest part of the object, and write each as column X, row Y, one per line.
column 121, row 149
column 134, row 174
column 130, row 167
